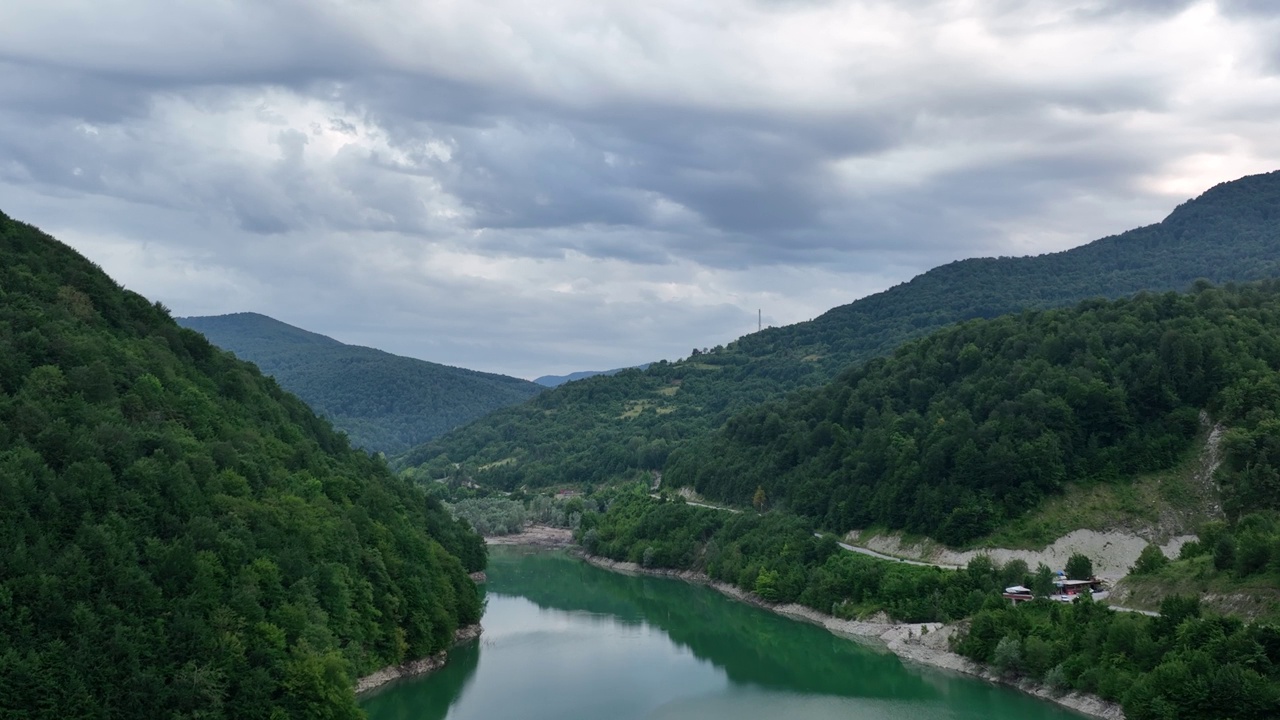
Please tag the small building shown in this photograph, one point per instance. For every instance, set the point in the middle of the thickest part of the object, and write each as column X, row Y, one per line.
column 1064, row 590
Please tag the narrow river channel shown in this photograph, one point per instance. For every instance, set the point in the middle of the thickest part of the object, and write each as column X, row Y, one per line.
column 567, row 641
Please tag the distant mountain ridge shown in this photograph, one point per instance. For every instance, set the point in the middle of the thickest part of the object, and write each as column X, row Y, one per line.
column 958, row 433
column 384, row 402
column 558, row 380
column 605, row 427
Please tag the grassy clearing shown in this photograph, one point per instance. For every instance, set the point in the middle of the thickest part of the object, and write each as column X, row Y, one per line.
column 634, row 408
column 496, row 464
column 1164, row 504
column 1255, row 597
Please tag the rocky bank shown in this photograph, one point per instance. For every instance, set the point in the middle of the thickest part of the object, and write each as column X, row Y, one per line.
column 416, row 667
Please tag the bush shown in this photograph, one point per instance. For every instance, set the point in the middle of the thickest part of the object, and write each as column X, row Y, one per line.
column 1224, row 553
column 1008, row 655
column 1079, row 567
column 1056, row 679
column 1150, row 561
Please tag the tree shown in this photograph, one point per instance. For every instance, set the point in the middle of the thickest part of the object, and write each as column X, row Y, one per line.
column 1014, row 572
column 1042, row 581
column 1079, row 567
column 767, row 585
column 759, row 500
column 1008, row 655
column 1150, row 561
column 1224, row 552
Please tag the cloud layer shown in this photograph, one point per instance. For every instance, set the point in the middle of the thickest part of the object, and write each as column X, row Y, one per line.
column 536, row 188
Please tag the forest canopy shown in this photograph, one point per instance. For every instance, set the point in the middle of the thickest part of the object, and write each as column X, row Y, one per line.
column 956, row 433
column 385, row 403
column 181, row 537
column 605, row 428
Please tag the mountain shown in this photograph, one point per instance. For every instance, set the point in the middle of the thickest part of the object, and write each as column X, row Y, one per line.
column 181, row 537
column 384, row 402
column 558, row 380
column 606, row 427
column 958, row 433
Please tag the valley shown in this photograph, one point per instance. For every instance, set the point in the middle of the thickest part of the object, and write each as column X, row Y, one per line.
column 887, row 491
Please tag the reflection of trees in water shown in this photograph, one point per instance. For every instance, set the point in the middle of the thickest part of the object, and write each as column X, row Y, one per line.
column 428, row 700
column 752, row 646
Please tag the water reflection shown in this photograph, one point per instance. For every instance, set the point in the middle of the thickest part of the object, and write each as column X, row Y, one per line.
column 753, row 647
column 567, row 641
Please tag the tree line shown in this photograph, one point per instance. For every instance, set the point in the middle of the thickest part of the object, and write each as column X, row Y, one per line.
column 384, row 403
column 608, row 428
column 1186, row 664
column 958, row 433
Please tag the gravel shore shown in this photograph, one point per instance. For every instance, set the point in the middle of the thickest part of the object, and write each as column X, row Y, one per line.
column 922, row 643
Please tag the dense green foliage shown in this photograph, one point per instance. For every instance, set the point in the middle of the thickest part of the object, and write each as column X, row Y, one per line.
column 602, row 428
column 1182, row 665
column 777, row 556
column 961, row 431
column 1179, row 666
column 181, row 537
column 1248, row 548
column 508, row 515
column 384, row 402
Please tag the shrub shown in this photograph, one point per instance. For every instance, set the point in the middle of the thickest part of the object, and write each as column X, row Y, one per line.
column 1150, row 561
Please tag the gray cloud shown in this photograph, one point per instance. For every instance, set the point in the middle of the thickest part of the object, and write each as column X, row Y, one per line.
column 587, row 184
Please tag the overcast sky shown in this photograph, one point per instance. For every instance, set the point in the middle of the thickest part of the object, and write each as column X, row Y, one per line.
column 543, row 187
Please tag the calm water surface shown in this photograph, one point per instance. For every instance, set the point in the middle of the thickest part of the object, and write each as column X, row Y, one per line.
column 566, row 641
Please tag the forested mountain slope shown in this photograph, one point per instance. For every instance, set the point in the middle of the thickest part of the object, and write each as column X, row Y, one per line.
column 596, row 429
column 558, row 380
column 181, row 538
column 384, row 402
column 956, row 433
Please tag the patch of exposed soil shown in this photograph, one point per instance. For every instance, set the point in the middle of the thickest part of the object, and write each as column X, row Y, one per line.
column 1112, row 553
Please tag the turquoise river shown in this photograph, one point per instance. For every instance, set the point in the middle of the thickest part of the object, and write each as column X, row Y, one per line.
column 567, row 641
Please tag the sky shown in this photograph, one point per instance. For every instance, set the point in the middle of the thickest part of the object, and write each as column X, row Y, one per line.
column 537, row 188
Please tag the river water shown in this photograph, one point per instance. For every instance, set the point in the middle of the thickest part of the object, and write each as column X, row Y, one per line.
column 567, row 641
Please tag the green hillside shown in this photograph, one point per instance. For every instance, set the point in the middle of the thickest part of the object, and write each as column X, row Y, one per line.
column 384, row 402
column 558, row 380
column 956, row 434
column 603, row 427
column 181, row 537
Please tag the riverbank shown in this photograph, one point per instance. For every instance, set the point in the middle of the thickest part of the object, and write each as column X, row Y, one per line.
column 922, row 643
column 415, row 668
